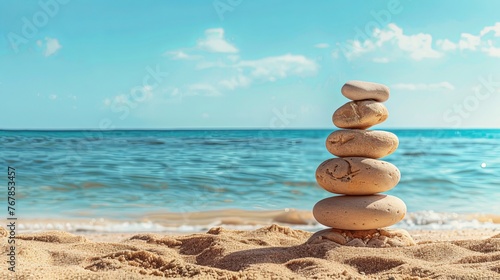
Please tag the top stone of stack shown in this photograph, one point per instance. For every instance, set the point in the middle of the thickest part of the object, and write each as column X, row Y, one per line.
column 359, row 90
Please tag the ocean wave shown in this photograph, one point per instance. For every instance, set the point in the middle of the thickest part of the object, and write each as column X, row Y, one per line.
column 249, row 220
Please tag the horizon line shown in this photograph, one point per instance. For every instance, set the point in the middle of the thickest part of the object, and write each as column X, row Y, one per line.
column 234, row 129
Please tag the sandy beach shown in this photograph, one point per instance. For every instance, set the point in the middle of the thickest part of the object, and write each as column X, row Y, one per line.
column 271, row 252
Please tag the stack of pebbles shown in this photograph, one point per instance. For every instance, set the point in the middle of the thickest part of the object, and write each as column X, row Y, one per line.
column 358, row 216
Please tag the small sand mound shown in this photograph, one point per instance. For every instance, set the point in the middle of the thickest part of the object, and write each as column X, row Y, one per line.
column 152, row 238
column 53, row 237
column 379, row 238
column 483, row 246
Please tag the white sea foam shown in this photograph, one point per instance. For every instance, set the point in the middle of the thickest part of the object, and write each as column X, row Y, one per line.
column 422, row 220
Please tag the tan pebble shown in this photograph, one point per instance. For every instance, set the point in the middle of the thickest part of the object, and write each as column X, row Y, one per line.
column 375, row 242
column 356, row 242
column 357, row 175
column 360, row 114
column 359, row 212
column 383, row 238
column 360, row 90
column 327, row 234
column 395, row 242
column 361, row 143
column 385, row 232
column 335, row 237
column 317, row 240
column 363, row 233
column 397, row 237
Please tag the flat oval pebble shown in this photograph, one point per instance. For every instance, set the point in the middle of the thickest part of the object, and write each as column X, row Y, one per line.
column 360, row 114
column 359, row 212
column 361, row 143
column 360, row 90
column 357, row 175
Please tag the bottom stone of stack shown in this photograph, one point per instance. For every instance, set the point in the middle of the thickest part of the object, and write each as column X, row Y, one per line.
column 359, row 212
column 379, row 238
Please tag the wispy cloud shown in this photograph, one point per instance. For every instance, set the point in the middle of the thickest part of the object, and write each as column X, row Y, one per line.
column 443, row 86
column 446, row 45
column 485, row 41
column 279, row 67
column 392, row 40
column 269, row 69
column 181, row 55
column 220, row 68
column 391, row 43
column 214, row 41
column 128, row 99
column 381, row 59
column 235, row 82
column 322, row 46
column 204, row 89
column 49, row 46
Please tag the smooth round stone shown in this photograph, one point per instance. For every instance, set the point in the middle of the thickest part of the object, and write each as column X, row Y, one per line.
column 360, row 114
column 357, row 175
column 361, row 143
column 359, row 90
column 359, row 212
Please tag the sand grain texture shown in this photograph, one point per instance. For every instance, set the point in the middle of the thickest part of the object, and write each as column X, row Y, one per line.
column 272, row 252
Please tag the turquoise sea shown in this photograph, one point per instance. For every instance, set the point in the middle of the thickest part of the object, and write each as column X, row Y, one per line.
column 121, row 177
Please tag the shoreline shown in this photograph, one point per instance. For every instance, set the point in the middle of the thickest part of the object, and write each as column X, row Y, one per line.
column 190, row 222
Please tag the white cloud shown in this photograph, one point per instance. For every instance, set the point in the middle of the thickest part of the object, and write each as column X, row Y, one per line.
column 495, row 28
column 482, row 42
column 130, row 98
column 203, row 89
column 272, row 68
column 53, row 96
column 392, row 40
column 230, row 71
column 180, row 55
column 424, row 87
column 469, row 42
column 357, row 48
column 214, row 41
column 446, row 45
column 235, row 82
column 419, row 46
column 322, row 46
column 50, row 46
column 491, row 50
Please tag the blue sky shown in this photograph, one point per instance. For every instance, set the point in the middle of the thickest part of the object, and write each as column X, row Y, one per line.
column 245, row 64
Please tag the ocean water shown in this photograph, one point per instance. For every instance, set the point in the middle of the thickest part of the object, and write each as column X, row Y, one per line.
column 447, row 175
